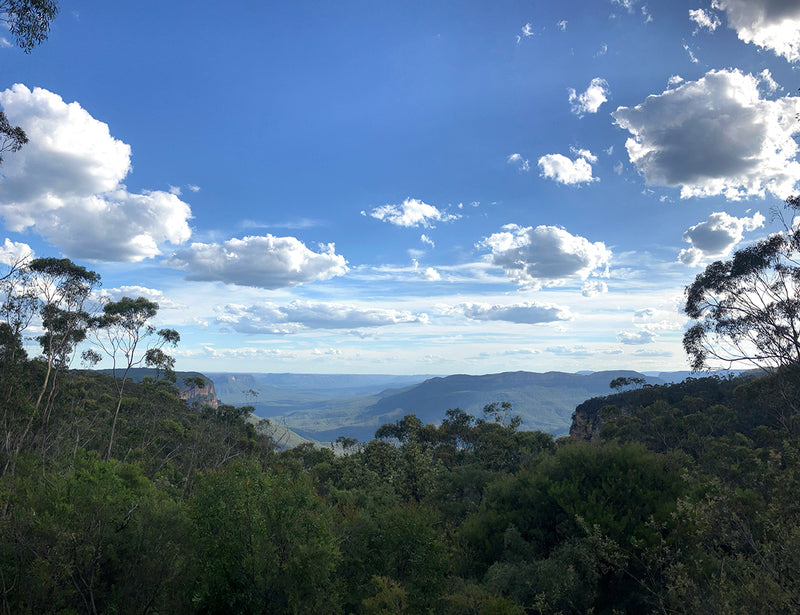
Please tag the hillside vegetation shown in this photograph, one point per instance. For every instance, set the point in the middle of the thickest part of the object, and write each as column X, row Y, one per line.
column 118, row 496
column 685, row 500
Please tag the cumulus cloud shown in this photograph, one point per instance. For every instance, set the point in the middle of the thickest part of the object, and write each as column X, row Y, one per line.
column 297, row 316
column 704, row 19
column 584, row 153
column 590, row 100
column 715, row 237
column 260, row 261
column 410, row 213
column 431, row 274
column 66, row 185
column 592, row 288
column 521, row 163
column 529, row 313
column 765, row 79
column 635, row 338
column 545, row 255
column 715, row 136
column 561, row 169
column 769, row 24
column 13, row 253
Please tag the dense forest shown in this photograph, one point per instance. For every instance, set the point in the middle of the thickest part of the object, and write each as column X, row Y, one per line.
column 119, row 497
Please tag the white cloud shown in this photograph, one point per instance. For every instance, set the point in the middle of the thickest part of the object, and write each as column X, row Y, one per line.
column 570, row 351
column 642, row 336
column 410, row 213
column 592, row 288
column 704, row 19
column 260, row 261
column 326, row 352
column 770, row 24
column 618, row 168
column 715, row 136
column 66, row 185
column 431, row 274
column 584, row 153
column 13, row 253
column 530, row 313
column 522, row 163
column 627, row 4
column 562, row 25
column 716, row 237
column 765, row 78
column 674, row 80
column 193, row 187
column 545, row 255
column 590, row 100
column 236, row 353
column 692, row 58
column 5, row 43
column 427, row 240
column 644, row 314
column 565, row 171
column 176, row 190
column 527, row 31
column 273, row 319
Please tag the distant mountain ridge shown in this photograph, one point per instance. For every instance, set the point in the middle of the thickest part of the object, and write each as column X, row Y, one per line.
column 545, row 401
column 321, row 407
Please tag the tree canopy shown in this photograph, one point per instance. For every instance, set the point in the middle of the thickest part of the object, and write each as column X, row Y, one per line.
column 747, row 309
column 28, row 20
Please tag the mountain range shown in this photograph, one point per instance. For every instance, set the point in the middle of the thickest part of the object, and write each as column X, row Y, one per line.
column 322, row 407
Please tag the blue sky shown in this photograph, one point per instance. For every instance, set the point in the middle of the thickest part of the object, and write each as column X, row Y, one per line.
column 404, row 187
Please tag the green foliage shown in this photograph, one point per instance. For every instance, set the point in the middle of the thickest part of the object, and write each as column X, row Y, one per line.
column 555, row 511
column 398, row 543
column 12, row 138
column 685, row 500
column 747, row 308
column 264, row 543
column 28, row 20
column 97, row 538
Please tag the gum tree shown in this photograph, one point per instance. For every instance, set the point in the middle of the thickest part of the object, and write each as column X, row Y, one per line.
column 125, row 334
column 28, row 20
column 747, row 309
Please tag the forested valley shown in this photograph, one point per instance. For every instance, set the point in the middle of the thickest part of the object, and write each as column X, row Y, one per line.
column 119, row 497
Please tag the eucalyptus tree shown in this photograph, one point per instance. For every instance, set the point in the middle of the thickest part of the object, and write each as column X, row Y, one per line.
column 63, row 290
column 12, row 138
column 54, row 294
column 28, row 20
column 125, row 334
column 747, row 309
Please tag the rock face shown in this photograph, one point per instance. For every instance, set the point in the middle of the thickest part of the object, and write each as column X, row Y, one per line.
column 194, row 394
column 586, row 420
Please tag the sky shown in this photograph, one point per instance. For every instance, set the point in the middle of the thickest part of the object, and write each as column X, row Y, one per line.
column 405, row 187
